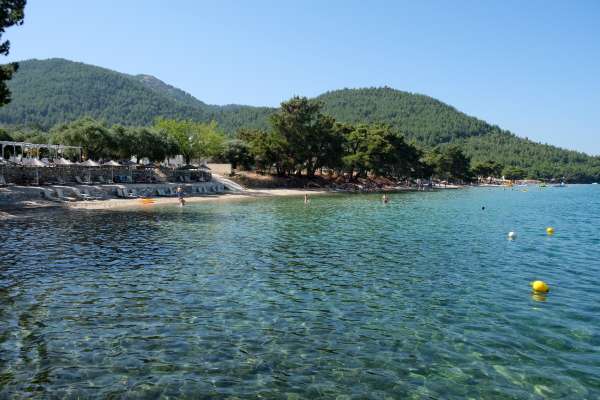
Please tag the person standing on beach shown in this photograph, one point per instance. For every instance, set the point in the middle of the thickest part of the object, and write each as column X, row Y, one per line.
column 180, row 196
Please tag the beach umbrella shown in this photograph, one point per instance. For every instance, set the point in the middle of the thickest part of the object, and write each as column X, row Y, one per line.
column 112, row 164
column 62, row 161
column 34, row 162
column 90, row 164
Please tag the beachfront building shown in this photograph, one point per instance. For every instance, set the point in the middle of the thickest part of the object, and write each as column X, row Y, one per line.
column 33, row 150
column 38, row 164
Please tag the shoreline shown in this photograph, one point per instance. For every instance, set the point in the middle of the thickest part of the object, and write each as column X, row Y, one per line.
column 115, row 204
column 13, row 209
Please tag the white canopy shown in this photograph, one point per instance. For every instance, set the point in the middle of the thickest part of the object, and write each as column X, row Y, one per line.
column 62, row 161
column 89, row 163
column 32, row 162
column 111, row 163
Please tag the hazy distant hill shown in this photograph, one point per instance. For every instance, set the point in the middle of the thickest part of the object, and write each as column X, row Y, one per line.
column 47, row 92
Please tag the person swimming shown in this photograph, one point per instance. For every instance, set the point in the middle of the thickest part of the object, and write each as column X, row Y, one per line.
column 385, row 198
column 306, row 198
column 180, row 194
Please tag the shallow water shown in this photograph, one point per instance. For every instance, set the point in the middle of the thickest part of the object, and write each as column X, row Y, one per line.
column 345, row 298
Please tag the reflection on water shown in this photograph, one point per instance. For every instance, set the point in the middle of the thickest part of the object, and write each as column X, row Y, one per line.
column 345, row 298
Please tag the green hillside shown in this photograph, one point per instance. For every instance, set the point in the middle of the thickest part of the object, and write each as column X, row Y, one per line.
column 48, row 92
column 419, row 117
column 430, row 122
column 165, row 89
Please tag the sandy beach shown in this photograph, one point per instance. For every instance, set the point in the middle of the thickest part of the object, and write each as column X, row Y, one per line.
column 11, row 207
column 149, row 202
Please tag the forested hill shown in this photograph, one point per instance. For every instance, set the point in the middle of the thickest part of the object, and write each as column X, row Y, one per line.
column 47, row 92
column 430, row 122
column 419, row 117
column 174, row 93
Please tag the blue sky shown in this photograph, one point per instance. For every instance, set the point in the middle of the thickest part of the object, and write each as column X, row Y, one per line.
column 531, row 67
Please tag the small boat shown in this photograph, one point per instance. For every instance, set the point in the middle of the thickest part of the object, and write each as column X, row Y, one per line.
column 560, row 185
column 595, row 183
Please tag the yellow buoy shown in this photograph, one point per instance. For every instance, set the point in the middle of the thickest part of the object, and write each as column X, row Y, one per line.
column 550, row 230
column 540, row 286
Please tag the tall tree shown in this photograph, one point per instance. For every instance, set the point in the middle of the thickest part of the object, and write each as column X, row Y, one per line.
column 514, row 173
column 94, row 137
column 237, row 153
column 449, row 162
column 311, row 136
column 152, row 145
column 12, row 12
column 194, row 139
column 268, row 148
column 356, row 157
column 487, row 168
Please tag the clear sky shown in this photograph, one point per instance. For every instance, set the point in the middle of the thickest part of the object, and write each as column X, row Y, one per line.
column 532, row 67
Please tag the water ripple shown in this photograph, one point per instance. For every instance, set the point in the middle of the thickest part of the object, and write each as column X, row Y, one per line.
column 346, row 298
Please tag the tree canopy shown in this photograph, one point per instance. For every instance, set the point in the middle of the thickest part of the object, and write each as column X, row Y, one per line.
column 12, row 12
column 194, row 139
column 54, row 92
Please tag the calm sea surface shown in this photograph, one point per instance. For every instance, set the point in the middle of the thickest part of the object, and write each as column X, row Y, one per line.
column 346, row 298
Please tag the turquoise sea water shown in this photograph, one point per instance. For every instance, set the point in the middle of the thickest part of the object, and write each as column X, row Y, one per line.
column 346, row 298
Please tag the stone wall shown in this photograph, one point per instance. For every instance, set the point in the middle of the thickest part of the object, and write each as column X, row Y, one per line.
column 16, row 194
column 75, row 174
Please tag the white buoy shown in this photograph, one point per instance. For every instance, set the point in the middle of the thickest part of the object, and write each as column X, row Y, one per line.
column 512, row 235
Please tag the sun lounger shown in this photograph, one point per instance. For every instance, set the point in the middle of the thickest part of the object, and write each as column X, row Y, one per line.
column 85, row 195
column 79, row 195
column 124, row 193
column 49, row 195
column 81, row 181
column 87, row 192
column 61, row 195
